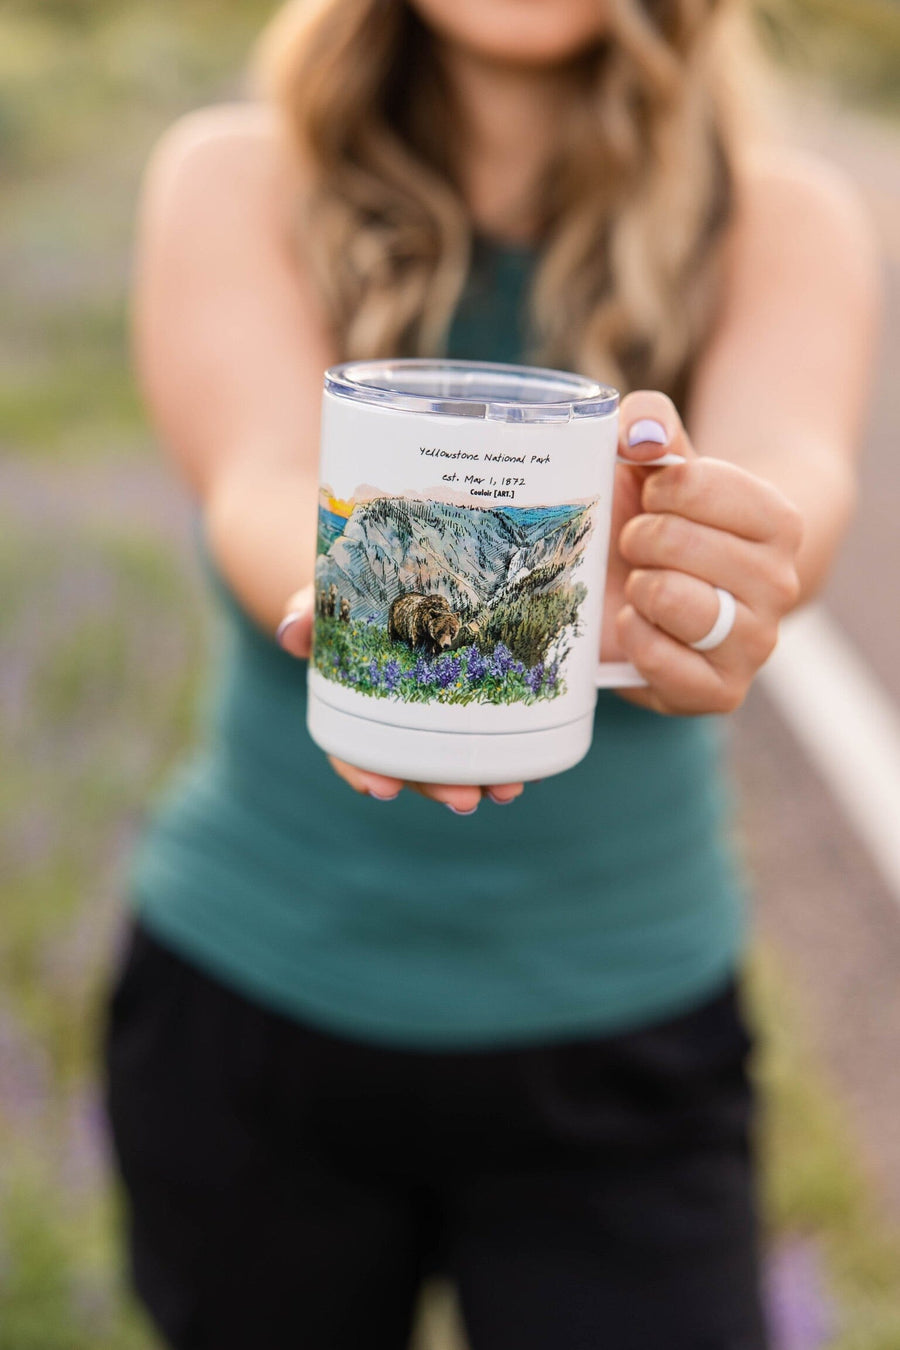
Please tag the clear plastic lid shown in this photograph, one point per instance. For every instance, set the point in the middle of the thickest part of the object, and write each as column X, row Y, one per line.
column 485, row 389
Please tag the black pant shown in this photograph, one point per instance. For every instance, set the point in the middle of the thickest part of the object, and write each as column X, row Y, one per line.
column 289, row 1188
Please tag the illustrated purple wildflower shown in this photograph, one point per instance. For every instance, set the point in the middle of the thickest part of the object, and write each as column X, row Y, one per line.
column 552, row 674
column 535, row 677
column 374, row 673
column 422, row 671
column 518, row 668
column 476, row 665
column 370, row 620
column 447, row 671
column 391, row 675
column 501, row 661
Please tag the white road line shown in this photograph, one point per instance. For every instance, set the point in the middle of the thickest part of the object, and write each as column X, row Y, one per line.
column 848, row 726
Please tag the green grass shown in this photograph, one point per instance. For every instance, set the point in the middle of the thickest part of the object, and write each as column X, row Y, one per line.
column 86, row 87
column 78, row 75
column 69, row 384
column 56, row 1291
column 529, row 619
column 104, row 643
column 814, row 1183
column 475, row 669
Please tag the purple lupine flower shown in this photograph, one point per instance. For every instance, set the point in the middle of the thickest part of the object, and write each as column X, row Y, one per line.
column 501, row 661
column 552, row 674
column 535, row 677
column 84, row 1155
column 24, row 1074
column 800, row 1307
column 447, row 671
column 391, row 675
column 422, row 671
column 517, row 668
column 476, row 665
column 374, row 673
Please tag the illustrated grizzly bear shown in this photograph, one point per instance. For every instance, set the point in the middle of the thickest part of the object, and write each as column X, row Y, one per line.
column 331, row 602
column 345, row 610
column 423, row 621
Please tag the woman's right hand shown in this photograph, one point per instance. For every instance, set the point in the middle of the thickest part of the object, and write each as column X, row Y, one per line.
column 295, row 636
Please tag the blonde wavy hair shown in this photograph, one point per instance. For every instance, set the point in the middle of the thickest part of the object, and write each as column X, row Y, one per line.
column 633, row 207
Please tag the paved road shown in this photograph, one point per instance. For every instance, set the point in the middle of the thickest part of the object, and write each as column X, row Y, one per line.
column 819, row 896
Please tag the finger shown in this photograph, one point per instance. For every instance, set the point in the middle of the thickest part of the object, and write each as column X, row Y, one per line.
column 686, row 608
column 459, row 796
column 680, row 680
column 649, row 427
column 378, row 785
column 716, row 492
column 302, row 599
column 465, row 799
column 749, row 570
column 504, row 793
column 294, row 633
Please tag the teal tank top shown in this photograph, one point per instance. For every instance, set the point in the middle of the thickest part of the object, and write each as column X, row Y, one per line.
column 602, row 899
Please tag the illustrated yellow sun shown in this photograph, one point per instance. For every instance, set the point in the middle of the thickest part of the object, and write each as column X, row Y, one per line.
column 340, row 507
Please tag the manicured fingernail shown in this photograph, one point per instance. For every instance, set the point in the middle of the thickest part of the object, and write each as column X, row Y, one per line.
column 501, row 801
column 647, row 429
column 379, row 798
column 287, row 622
column 456, row 811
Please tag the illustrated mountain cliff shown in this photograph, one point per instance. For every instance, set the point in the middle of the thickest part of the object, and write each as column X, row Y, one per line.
column 472, row 556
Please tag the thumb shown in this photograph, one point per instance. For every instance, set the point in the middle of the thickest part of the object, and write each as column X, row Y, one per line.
column 650, row 427
column 294, row 633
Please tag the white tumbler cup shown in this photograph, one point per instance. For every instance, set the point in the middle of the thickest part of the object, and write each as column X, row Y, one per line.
column 464, row 518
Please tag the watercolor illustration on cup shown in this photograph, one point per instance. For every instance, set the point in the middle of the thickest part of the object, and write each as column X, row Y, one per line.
column 430, row 600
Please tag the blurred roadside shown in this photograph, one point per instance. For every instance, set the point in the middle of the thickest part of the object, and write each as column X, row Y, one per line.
column 101, row 636
column 827, row 911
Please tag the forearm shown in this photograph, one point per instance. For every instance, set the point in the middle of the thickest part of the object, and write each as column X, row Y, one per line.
column 260, row 526
column 822, row 484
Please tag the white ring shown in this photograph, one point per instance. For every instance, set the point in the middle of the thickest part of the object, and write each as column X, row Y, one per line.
column 723, row 624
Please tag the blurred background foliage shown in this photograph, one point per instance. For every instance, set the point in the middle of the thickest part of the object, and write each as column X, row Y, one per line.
column 852, row 45
column 101, row 637
column 86, row 85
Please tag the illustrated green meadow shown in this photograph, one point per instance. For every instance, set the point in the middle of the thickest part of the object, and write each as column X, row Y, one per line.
column 484, row 670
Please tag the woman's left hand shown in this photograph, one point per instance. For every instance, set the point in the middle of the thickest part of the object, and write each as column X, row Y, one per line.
column 679, row 532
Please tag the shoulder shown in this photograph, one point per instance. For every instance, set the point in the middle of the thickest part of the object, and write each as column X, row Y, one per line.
column 802, row 295
column 221, row 164
column 247, row 138
column 797, row 209
column 781, row 183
